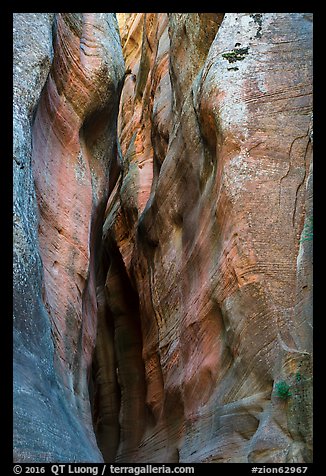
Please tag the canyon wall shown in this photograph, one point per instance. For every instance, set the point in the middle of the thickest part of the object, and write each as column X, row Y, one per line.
column 163, row 290
column 207, row 227
column 68, row 74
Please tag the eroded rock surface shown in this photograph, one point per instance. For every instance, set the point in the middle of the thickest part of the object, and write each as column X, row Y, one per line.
column 163, row 290
column 209, row 223
column 68, row 73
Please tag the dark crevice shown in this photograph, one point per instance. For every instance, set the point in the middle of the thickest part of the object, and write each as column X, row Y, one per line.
column 118, row 375
column 99, row 146
column 105, row 391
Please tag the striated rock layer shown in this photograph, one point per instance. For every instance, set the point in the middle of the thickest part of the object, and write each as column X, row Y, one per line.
column 208, row 242
column 68, row 72
column 163, row 281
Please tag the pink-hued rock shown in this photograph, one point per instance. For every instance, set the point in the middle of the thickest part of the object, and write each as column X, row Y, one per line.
column 146, row 71
column 146, row 96
column 68, row 71
column 163, row 296
column 74, row 146
column 213, row 245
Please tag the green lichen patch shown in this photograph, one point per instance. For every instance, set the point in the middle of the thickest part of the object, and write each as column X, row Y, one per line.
column 307, row 232
column 237, row 54
column 282, row 390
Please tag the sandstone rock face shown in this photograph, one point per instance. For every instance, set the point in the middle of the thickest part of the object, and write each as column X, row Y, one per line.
column 74, row 143
column 65, row 110
column 209, row 228
column 163, row 291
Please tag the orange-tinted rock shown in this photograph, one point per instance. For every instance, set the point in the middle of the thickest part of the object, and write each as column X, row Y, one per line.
column 74, row 138
column 51, row 417
column 214, row 244
column 183, row 249
column 74, row 161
